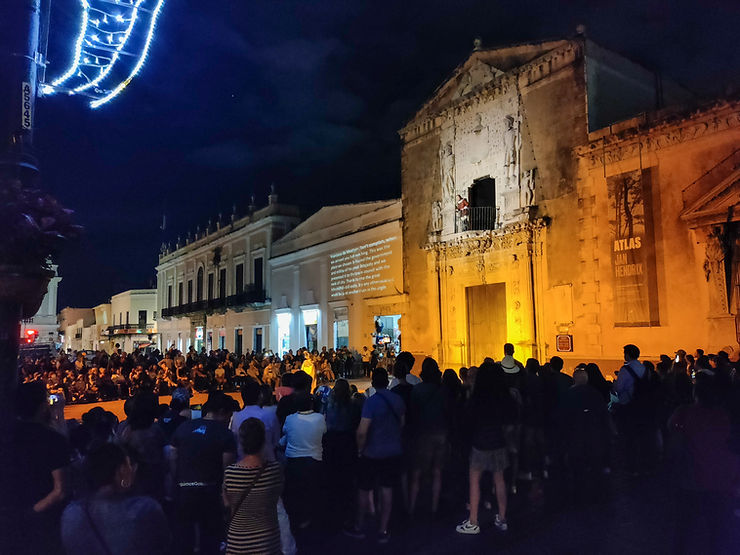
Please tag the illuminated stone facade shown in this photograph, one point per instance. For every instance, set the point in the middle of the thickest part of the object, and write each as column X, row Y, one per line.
column 674, row 282
column 494, row 244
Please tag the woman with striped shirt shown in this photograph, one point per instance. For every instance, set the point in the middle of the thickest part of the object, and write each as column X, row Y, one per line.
column 252, row 488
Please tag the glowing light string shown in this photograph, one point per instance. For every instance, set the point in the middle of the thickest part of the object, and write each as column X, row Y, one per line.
column 104, row 39
column 150, row 35
column 127, row 33
column 78, row 50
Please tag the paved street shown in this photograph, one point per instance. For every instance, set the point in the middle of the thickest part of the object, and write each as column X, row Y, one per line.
column 631, row 516
column 636, row 517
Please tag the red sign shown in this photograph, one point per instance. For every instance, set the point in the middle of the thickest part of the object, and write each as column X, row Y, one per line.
column 564, row 343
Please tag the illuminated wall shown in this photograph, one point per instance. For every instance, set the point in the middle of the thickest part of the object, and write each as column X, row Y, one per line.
column 334, row 273
column 689, row 182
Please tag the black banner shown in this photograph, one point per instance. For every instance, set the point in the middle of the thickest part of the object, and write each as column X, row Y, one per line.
column 633, row 249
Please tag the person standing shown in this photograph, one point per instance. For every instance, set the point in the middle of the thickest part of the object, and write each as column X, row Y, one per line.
column 427, row 422
column 489, row 407
column 303, row 434
column 629, row 404
column 201, row 449
column 366, row 357
column 250, row 392
column 111, row 519
column 252, row 490
column 379, row 448
column 36, row 486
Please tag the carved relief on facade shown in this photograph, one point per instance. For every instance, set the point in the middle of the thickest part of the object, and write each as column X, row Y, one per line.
column 479, row 74
column 716, row 254
column 615, row 147
column 436, row 218
column 528, row 187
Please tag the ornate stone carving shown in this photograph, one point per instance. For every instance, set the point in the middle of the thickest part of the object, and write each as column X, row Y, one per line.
column 629, row 143
column 512, row 144
column 447, row 169
column 479, row 74
column 716, row 252
column 528, row 187
column 474, row 243
column 436, row 218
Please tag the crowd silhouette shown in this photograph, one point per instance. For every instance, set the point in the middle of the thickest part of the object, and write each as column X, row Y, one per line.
column 305, row 450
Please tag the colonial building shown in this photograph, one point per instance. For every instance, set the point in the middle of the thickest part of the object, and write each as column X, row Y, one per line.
column 657, row 246
column 214, row 287
column 42, row 327
column 491, row 204
column 134, row 320
column 336, row 279
column 72, row 322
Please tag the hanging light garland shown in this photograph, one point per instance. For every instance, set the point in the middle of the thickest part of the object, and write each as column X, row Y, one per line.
column 114, row 35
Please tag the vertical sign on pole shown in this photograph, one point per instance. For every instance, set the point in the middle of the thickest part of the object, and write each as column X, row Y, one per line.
column 26, row 106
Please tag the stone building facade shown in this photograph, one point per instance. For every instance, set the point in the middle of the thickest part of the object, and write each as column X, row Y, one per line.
column 213, row 288
column 658, row 243
column 490, row 193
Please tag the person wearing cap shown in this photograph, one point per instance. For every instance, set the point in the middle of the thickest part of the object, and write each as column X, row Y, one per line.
column 201, row 450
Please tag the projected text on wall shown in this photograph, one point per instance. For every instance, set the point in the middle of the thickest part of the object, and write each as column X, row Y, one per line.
column 367, row 268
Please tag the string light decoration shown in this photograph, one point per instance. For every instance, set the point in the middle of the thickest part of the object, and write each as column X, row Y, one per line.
column 110, row 49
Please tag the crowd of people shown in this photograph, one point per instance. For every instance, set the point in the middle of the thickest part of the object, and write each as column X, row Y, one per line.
column 88, row 377
column 307, row 450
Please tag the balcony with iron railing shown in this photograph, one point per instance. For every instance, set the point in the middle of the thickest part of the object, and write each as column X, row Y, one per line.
column 250, row 295
column 127, row 329
column 478, row 218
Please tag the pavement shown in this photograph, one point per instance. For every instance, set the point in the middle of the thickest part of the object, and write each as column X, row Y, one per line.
column 630, row 516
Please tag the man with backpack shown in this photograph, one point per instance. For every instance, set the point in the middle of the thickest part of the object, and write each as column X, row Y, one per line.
column 630, row 402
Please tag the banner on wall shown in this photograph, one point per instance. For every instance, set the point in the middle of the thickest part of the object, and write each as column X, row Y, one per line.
column 633, row 249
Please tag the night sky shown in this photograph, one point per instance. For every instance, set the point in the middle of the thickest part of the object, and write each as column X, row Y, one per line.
column 309, row 95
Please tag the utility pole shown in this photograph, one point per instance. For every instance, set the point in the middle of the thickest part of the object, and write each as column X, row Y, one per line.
column 21, row 57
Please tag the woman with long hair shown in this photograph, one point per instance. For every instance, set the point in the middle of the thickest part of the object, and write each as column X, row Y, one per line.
column 112, row 519
column 489, row 407
column 340, row 445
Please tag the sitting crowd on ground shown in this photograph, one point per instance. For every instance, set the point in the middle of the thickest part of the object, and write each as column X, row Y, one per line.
column 88, row 377
column 298, row 454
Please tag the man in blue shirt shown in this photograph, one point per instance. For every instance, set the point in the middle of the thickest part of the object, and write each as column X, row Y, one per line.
column 379, row 448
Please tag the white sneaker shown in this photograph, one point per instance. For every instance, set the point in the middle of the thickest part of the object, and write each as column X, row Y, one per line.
column 467, row 527
column 500, row 524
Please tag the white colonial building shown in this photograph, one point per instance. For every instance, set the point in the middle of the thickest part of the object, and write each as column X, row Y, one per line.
column 214, row 288
column 337, row 279
column 133, row 317
column 42, row 326
column 72, row 323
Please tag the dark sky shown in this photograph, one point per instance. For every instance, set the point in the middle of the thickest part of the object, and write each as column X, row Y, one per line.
column 237, row 94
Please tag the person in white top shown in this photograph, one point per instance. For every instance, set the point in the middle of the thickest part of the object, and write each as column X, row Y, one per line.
column 250, row 392
column 303, row 432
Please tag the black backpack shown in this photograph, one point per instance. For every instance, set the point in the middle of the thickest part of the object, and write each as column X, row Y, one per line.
column 642, row 394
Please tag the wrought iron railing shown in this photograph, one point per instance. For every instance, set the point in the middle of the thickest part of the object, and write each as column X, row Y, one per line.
column 478, row 218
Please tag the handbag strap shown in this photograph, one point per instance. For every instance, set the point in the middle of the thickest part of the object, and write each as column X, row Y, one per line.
column 390, row 407
column 95, row 529
column 245, row 493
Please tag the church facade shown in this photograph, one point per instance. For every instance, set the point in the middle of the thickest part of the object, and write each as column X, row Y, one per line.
column 509, row 214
